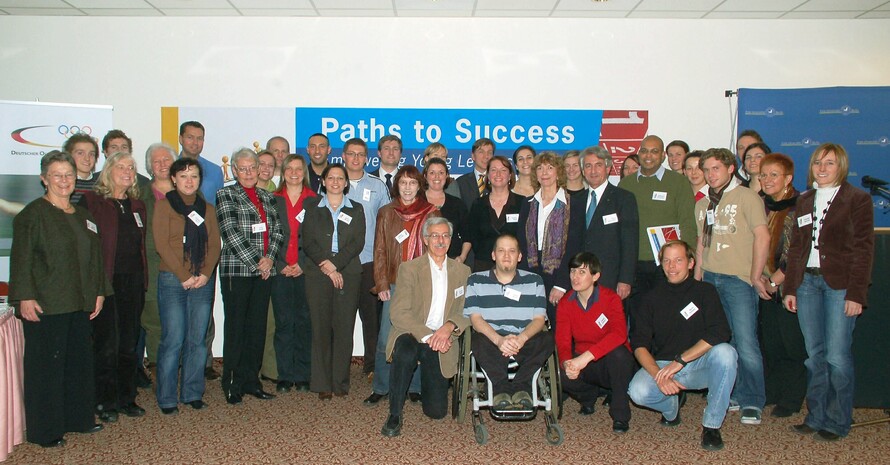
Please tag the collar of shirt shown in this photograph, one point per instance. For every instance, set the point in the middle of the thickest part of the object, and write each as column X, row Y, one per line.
column 384, row 173
column 599, row 193
column 560, row 195
column 324, row 202
column 594, row 298
column 478, row 173
column 494, row 277
column 658, row 174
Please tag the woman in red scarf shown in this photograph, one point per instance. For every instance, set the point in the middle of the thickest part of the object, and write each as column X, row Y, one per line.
column 398, row 239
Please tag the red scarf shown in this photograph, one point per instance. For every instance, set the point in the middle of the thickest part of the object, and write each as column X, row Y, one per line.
column 413, row 216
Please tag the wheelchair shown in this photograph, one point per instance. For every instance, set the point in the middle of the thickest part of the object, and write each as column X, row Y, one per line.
column 471, row 383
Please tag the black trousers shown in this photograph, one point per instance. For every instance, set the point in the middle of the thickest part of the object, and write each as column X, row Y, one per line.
column 530, row 358
column 332, row 312
column 59, row 394
column 407, row 353
column 293, row 329
column 369, row 309
column 613, row 371
column 246, row 307
column 115, row 336
column 784, row 354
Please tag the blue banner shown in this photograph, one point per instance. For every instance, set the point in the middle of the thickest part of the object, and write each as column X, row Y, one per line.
column 457, row 129
column 796, row 121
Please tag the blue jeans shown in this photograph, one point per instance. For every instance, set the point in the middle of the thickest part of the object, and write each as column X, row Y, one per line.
column 185, row 315
column 381, row 366
column 741, row 304
column 715, row 370
column 828, row 335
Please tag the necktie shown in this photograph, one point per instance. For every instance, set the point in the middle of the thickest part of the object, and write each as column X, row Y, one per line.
column 481, row 183
column 389, row 182
column 592, row 207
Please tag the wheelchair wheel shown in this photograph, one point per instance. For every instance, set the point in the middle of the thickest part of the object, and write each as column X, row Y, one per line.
column 456, row 394
column 554, row 435
column 482, row 434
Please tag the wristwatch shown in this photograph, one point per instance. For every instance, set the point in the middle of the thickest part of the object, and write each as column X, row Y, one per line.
column 680, row 360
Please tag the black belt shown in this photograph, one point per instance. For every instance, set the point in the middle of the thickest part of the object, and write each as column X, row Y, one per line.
column 814, row 271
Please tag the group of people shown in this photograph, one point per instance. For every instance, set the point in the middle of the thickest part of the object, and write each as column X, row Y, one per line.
column 535, row 253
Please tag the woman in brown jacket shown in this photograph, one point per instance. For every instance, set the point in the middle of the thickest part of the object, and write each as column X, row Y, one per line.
column 398, row 239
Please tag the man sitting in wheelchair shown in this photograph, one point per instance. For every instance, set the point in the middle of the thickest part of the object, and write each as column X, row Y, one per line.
column 507, row 309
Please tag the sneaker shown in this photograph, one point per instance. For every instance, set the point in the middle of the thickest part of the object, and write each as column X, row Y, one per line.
column 750, row 416
column 523, row 399
column 711, row 439
column 733, row 406
column 502, row 401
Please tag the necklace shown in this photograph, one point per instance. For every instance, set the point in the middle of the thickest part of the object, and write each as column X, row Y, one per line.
column 121, row 206
column 817, row 227
column 64, row 209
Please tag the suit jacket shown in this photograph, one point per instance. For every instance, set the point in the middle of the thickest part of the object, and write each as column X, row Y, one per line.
column 242, row 249
column 317, row 234
column 466, row 188
column 617, row 243
column 846, row 243
column 410, row 306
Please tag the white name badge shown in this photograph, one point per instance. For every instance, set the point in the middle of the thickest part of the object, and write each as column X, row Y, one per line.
column 138, row 219
column 512, row 294
column 458, row 292
column 301, row 215
column 689, row 310
column 258, row 228
column 660, row 196
column 366, row 195
column 344, row 218
column 611, row 218
column 92, row 227
column 710, row 218
column 183, row 239
column 402, row 236
column 512, row 217
column 602, row 320
column 804, row 220
column 196, row 218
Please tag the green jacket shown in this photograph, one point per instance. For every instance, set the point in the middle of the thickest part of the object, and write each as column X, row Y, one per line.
column 44, row 264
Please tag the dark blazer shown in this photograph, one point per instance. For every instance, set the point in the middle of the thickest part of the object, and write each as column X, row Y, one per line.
column 317, row 235
column 105, row 211
column 410, row 306
column 615, row 244
column 560, row 277
column 846, row 243
column 455, row 211
column 466, row 188
column 242, row 248
column 483, row 228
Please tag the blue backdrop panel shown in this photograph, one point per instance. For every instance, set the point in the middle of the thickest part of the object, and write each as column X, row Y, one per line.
column 796, row 121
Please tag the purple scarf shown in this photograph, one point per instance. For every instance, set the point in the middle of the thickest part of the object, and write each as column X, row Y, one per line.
column 556, row 231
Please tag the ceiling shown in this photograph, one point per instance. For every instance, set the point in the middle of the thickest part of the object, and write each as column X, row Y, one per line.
column 671, row 9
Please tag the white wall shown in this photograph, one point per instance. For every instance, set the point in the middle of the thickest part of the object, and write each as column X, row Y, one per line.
column 676, row 69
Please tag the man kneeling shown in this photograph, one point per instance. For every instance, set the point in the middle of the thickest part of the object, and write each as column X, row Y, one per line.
column 427, row 316
column 507, row 309
column 681, row 339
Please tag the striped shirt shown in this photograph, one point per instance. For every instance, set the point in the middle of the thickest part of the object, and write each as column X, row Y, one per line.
column 508, row 308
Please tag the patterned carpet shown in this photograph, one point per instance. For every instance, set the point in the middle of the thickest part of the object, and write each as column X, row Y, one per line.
column 298, row 428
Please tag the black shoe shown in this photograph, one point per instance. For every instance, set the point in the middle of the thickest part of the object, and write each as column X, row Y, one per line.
column 93, row 429
column 826, row 436
column 198, row 404
column 392, row 427
column 261, row 394
column 414, row 397
column 284, row 386
column 170, row 410
column 665, row 422
column 607, row 401
column 233, row 398
column 107, row 416
column 803, row 428
column 302, row 386
column 54, row 443
column 143, row 380
column 266, row 378
column 210, row 374
column 587, row 409
column 781, row 412
column 373, row 399
column 711, row 439
column 620, row 427
column 681, row 399
column 132, row 410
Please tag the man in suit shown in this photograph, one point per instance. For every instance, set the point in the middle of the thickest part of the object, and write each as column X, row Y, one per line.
column 389, row 152
column 427, row 317
column 612, row 222
column 471, row 186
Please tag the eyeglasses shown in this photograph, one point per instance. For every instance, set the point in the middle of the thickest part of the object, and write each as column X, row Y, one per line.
column 59, row 177
column 247, row 169
column 647, row 151
column 438, row 236
column 772, row 176
column 355, row 154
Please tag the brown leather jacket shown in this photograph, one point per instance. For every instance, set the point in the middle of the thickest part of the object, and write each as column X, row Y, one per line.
column 387, row 250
